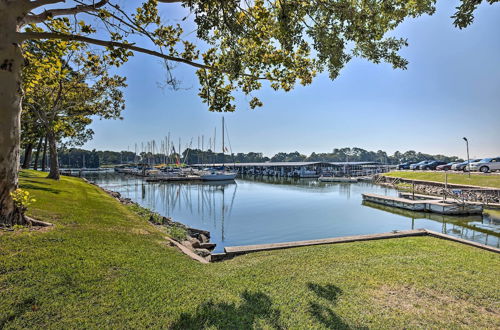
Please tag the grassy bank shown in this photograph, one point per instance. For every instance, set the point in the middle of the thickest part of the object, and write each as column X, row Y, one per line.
column 456, row 178
column 103, row 266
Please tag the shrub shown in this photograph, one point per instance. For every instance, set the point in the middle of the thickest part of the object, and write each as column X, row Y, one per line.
column 22, row 199
column 177, row 233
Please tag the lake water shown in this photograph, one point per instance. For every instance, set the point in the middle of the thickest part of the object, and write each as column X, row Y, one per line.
column 256, row 211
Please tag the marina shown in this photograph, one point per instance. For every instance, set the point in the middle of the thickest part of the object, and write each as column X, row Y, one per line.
column 324, row 171
column 305, row 169
column 254, row 210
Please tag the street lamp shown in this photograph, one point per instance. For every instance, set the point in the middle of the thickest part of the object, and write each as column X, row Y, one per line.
column 468, row 161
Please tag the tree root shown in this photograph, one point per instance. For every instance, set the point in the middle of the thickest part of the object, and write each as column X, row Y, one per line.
column 38, row 222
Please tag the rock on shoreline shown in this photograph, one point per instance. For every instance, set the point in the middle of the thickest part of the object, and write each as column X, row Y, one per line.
column 467, row 193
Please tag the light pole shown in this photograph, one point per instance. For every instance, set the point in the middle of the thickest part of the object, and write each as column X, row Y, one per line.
column 468, row 160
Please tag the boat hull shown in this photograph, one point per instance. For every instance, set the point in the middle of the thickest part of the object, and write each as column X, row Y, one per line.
column 218, row 177
column 337, row 179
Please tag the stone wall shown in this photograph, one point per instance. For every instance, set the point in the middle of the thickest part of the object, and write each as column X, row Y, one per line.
column 454, row 191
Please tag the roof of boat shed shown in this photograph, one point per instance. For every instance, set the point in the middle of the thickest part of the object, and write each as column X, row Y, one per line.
column 291, row 164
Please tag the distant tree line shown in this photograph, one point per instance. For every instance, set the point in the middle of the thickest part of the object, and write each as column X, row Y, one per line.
column 337, row 155
column 78, row 158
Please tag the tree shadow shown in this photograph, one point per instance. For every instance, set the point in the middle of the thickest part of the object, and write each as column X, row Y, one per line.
column 324, row 312
column 37, row 182
column 223, row 315
column 24, row 174
column 33, row 187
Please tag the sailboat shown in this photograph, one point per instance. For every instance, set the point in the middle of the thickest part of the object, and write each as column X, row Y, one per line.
column 215, row 175
column 218, row 175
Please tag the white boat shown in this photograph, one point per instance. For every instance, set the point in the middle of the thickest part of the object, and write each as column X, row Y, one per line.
column 336, row 179
column 218, row 176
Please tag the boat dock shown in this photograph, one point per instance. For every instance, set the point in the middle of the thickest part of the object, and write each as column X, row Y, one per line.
column 423, row 203
column 305, row 169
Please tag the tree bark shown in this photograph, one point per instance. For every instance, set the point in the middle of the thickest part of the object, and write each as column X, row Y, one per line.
column 27, row 155
column 54, row 162
column 37, row 154
column 11, row 61
column 44, row 154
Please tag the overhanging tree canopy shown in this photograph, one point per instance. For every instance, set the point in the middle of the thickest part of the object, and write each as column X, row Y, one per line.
column 65, row 84
column 245, row 42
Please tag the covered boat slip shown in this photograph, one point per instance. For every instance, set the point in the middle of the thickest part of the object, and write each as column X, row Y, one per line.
column 423, row 203
column 304, row 169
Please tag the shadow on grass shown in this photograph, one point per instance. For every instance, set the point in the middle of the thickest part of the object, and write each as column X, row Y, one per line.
column 37, row 182
column 18, row 310
column 323, row 312
column 27, row 174
column 222, row 315
column 33, row 187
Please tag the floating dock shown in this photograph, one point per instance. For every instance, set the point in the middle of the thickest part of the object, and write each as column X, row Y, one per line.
column 423, row 203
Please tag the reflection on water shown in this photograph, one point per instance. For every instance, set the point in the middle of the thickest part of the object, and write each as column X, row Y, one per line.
column 269, row 210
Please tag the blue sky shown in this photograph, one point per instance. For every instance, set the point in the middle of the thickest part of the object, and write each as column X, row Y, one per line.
column 451, row 89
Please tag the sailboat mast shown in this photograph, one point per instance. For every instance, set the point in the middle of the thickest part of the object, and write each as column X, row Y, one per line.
column 223, row 154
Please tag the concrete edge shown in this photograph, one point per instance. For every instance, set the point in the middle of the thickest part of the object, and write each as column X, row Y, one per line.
column 462, row 241
column 237, row 250
column 232, row 251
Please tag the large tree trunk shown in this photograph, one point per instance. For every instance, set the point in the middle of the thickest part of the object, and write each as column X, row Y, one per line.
column 11, row 61
column 44, row 154
column 27, row 155
column 54, row 162
column 37, row 154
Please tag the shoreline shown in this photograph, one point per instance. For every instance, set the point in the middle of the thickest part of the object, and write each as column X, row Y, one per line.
column 191, row 241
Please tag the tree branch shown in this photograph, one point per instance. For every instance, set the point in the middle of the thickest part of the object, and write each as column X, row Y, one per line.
column 107, row 43
column 40, row 3
column 62, row 12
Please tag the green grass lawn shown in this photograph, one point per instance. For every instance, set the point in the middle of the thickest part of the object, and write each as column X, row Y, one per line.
column 103, row 266
column 457, row 178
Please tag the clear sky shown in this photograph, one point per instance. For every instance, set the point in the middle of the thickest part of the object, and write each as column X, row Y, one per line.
column 451, row 89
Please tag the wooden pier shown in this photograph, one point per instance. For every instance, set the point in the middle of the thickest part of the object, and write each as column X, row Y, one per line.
column 423, row 203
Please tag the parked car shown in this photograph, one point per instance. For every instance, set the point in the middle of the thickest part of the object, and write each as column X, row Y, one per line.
column 404, row 166
column 486, row 165
column 461, row 166
column 446, row 167
column 419, row 166
column 431, row 165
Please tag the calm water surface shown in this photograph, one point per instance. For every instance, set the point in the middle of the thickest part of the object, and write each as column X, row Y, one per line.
column 251, row 211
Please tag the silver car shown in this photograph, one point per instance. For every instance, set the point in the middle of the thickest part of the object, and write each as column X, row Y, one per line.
column 462, row 166
column 486, row 165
